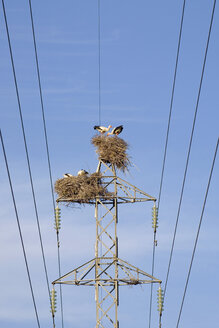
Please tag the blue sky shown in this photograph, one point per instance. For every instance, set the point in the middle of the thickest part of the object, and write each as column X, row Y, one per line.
column 138, row 51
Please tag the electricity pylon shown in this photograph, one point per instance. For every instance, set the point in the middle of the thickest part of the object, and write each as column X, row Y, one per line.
column 107, row 271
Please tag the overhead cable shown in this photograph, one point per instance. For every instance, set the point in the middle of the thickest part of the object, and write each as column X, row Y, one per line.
column 171, row 102
column 42, row 104
column 20, row 231
column 165, row 148
column 26, row 149
column 190, row 144
column 197, row 235
column 99, row 63
column 47, row 150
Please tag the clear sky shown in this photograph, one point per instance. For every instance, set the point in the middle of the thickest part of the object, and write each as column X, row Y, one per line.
column 138, row 52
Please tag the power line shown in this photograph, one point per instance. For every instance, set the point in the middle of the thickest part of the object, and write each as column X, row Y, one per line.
column 42, row 104
column 26, row 149
column 190, row 144
column 47, row 149
column 171, row 102
column 20, row 231
column 165, row 148
column 197, row 235
column 99, row 62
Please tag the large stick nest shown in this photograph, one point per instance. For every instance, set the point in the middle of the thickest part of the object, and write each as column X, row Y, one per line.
column 112, row 150
column 81, row 189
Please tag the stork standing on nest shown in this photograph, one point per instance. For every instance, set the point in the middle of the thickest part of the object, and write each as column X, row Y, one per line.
column 67, row 175
column 102, row 129
column 116, row 130
column 82, row 172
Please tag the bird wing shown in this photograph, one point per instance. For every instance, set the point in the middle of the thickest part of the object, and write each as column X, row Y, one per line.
column 118, row 129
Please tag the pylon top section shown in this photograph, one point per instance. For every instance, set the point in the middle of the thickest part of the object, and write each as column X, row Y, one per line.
column 126, row 192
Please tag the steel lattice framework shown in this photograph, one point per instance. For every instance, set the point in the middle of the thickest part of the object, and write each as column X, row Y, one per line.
column 107, row 271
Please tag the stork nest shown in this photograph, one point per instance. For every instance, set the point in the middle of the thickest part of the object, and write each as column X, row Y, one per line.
column 112, row 150
column 81, row 189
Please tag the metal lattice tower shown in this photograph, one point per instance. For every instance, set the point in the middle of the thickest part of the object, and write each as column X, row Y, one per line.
column 107, row 271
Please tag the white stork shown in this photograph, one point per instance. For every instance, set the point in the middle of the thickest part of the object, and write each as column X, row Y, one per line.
column 102, row 129
column 82, row 172
column 116, row 130
column 67, row 175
